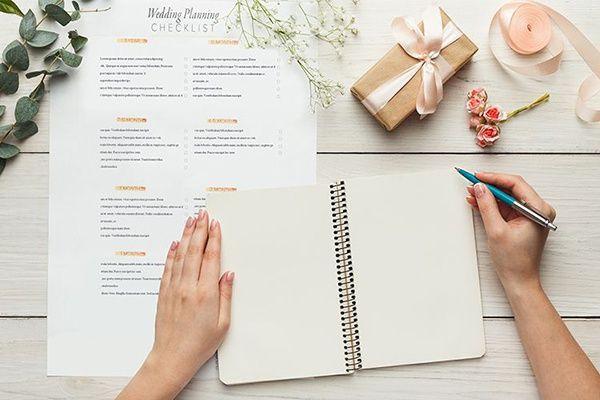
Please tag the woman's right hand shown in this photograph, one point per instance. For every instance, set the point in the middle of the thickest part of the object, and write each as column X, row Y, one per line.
column 515, row 242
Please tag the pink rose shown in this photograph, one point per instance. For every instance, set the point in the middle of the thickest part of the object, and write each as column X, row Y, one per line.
column 475, row 121
column 478, row 92
column 494, row 114
column 475, row 105
column 487, row 135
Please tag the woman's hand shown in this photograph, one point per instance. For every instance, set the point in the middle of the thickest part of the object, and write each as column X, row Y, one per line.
column 192, row 315
column 515, row 242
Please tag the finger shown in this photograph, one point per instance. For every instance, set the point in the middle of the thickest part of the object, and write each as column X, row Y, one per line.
column 516, row 184
column 182, row 249
column 520, row 189
column 211, row 262
column 166, row 276
column 193, row 258
column 488, row 208
column 226, row 291
column 471, row 200
column 505, row 210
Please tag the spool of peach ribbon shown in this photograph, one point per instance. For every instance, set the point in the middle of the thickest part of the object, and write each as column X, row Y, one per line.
column 527, row 28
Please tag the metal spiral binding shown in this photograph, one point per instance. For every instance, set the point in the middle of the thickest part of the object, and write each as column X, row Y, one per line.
column 345, row 277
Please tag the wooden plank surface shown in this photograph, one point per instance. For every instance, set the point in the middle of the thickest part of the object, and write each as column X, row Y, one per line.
column 503, row 373
column 570, row 266
column 348, row 127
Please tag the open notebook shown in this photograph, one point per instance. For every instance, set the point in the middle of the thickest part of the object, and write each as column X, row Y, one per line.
column 360, row 273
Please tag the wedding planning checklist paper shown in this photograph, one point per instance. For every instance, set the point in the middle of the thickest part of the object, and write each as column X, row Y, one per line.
column 165, row 108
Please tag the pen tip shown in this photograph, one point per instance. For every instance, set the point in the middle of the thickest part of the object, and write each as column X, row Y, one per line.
column 456, row 168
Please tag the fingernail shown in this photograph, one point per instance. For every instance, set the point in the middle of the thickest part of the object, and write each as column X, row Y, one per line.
column 189, row 222
column 201, row 213
column 213, row 224
column 479, row 189
column 230, row 276
column 174, row 245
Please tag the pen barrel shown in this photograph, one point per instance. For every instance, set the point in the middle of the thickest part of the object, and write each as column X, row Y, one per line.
column 533, row 215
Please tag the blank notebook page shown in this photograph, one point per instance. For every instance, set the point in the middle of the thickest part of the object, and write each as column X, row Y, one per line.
column 286, row 315
column 415, row 266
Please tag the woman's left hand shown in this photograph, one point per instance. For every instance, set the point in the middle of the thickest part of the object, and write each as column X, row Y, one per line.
column 193, row 312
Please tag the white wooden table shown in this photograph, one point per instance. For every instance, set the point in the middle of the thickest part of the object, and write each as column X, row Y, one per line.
column 550, row 147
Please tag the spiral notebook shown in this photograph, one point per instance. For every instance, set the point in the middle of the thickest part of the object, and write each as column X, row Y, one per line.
column 359, row 273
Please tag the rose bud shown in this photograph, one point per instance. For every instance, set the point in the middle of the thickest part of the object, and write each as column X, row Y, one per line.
column 487, row 135
column 475, row 105
column 475, row 121
column 478, row 92
column 494, row 114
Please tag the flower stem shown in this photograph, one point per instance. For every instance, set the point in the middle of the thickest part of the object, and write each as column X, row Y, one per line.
column 542, row 99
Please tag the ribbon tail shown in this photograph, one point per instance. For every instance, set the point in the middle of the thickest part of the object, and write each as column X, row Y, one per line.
column 588, row 89
column 379, row 98
column 431, row 92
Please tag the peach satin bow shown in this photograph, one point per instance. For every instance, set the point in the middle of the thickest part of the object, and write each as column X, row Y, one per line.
column 425, row 48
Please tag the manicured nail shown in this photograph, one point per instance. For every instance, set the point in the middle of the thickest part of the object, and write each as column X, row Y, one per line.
column 479, row 189
column 174, row 245
column 189, row 222
column 201, row 213
column 213, row 224
column 229, row 277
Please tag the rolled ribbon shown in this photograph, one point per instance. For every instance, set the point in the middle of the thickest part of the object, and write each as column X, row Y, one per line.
column 526, row 27
column 425, row 49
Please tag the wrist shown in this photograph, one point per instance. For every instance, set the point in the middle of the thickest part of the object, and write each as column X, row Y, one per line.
column 157, row 372
column 522, row 290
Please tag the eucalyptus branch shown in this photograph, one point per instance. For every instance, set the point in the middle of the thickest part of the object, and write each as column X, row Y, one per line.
column 16, row 59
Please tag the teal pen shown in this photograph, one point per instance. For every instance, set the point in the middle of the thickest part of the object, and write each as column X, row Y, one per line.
column 521, row 207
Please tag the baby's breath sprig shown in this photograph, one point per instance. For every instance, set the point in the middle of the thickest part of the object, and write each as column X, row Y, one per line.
column 259, row 25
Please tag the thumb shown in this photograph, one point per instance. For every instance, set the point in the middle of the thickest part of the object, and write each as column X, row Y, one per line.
column 488, row 208
column 225, row 289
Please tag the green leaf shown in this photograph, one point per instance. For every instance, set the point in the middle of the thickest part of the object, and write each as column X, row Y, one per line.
column 15, row 54
column 71, row 59
column 76, row 5
column 25, row 129
column 5, row 129
column 33, row 74
column 75, row 15
column 78, row 43
column 9, row 7
column 39, row 92
column 43, row 39
column 2, row 164
column 9, row 82
column 8, row 151
column 26, row 109
column 3, row 68
column 27, row 26
column 44, row 3
column 2, row 110
column 58, row 14
column 52, row 55
column 57, row 72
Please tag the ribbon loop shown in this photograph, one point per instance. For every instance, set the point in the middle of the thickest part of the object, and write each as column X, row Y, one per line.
column 425, row 48
column 526, row 28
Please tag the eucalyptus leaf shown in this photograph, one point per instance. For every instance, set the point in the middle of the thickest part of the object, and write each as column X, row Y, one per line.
column 9, row 7
column 26, row 109
column 71, row 59
column 52, row 55
column 5, row 129
column 57, row 72
column 25, row 129
column 8, row 150
column 2, row 110
column 44, row 3
column 33, row 74
column 3, row 68
column 75, row 15
column 76, row 5
column 78, row 43
column 2, row 164
column 39, row 92
column 15, row 54
column 9, row 82
column 58, row 14
column 43, row 39
column 27, row 26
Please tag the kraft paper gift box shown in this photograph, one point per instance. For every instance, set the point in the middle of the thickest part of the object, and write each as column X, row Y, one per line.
column 397, row 60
